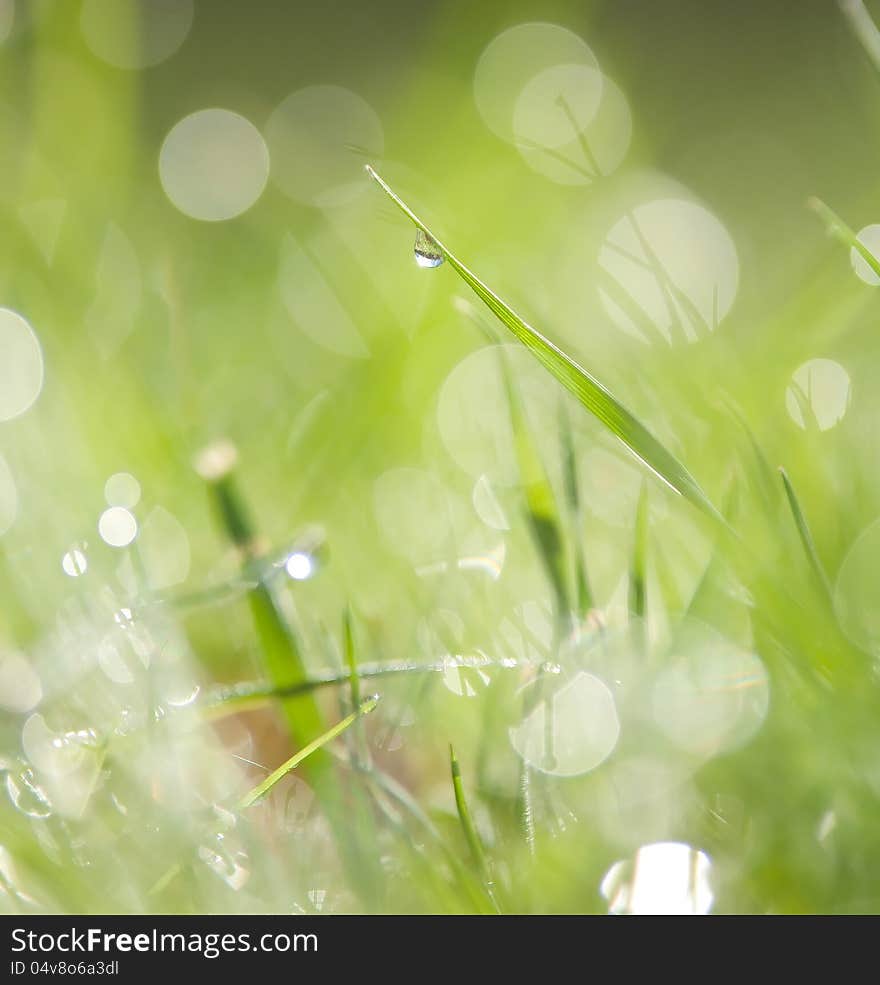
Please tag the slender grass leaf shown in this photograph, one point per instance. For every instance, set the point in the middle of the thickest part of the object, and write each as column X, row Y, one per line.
column 247, row 696
column 594, row 395
column 583, row 594
column 841, row 231
column 806, row 536
column 291, row 764
column 470, row 831
column 541, row 509
column 638, row 583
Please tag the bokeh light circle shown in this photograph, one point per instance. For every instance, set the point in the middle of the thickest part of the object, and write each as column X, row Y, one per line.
column 557, row 104
column 818, row 395
column 597, row 151
column 517, row 60
column 713, row 695
column 672, row 271
column 117, row 527
column 21, row 366
column 869, row 237
column 122, row 489
column 213, row 165
column 320, row 138
column 570, row 728
column 135, row 34
column 664, row 878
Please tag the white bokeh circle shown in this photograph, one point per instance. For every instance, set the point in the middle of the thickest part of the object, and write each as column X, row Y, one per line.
column 213, row 165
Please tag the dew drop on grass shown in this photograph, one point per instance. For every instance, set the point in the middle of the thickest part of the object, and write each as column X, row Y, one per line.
column 665, row 878
column 26, row 795
column 426, row 251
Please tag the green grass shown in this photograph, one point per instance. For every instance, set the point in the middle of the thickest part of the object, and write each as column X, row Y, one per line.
column 487, row 548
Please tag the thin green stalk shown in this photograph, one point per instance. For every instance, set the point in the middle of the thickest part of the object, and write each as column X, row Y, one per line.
column 841, row 231
column 541, row 509
column 594, row 396
column 638, row 583
column 583, row 594
column 362, row 753
column 279, row 645
column 291, row 764
column 284, row 664
column 806, row 536
column 245, row 697
column 471, row 834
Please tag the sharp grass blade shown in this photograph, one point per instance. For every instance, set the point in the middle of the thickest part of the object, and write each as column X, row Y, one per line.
column 806, row 536
column 840, row 230
column 594, row 396
column 291, row 764
column 279, row 645
column 471, row 834
column 354, row 681
column 351, row 657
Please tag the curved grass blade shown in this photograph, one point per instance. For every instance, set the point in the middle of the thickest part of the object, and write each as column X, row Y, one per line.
column 594, row 396
column 291, row 764
column 840, row 230
column 470, row 832
column 806, row 536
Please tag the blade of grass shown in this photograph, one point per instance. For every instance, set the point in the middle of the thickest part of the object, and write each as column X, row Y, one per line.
column 841, row 231
column 806, row 536
column 583, row 594
column 244, row 697
column 470, row 832
column 638, row 583
column 761, row 466
column 594, row 395
column 279, row 645
column 298, row 757
column 348, row 645
column 540, row 503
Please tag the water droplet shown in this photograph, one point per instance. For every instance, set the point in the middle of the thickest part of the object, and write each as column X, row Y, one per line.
column 26, row 795
column 464, row 681
column 664, row 878
column 75, row 563
column 300, row 566
column 426, row 250
column 226, row 863
column 123, row 617
column 318, row 896
column 117, row 526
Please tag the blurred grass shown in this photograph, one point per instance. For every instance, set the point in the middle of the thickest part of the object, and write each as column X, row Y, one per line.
column 161, row 334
